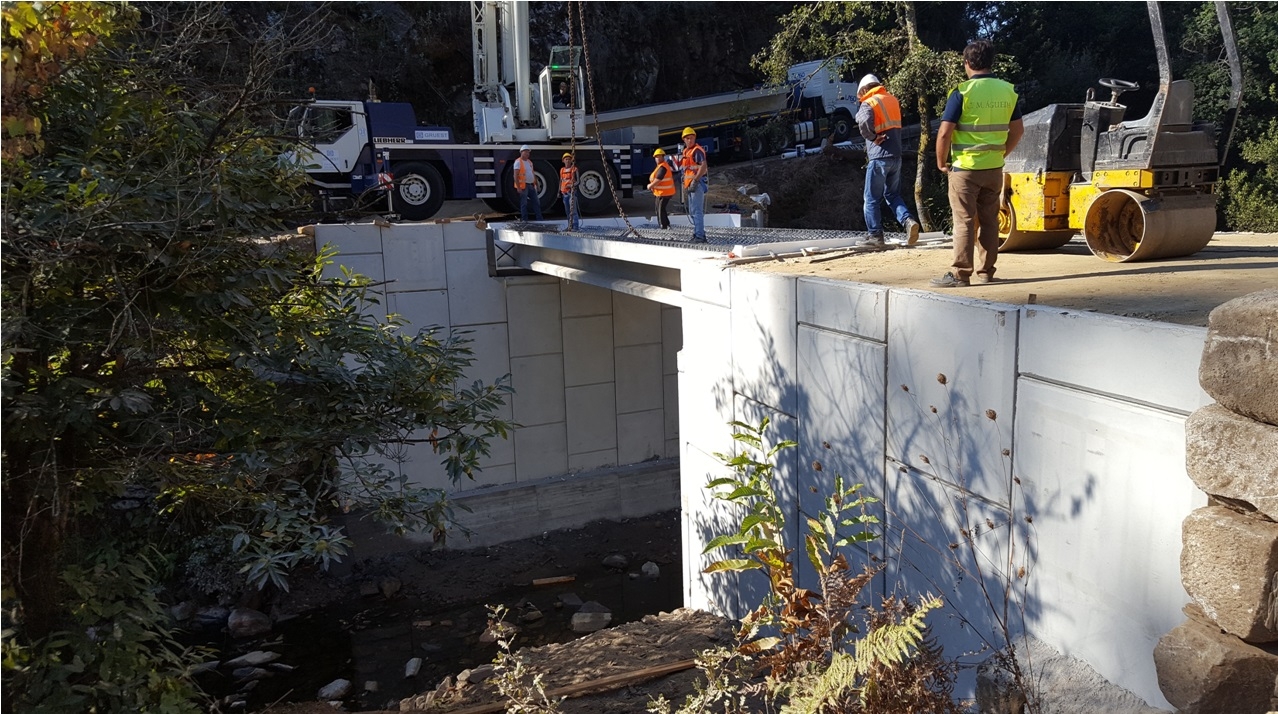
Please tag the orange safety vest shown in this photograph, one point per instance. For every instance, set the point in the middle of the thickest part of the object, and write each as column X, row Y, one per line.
column 886, row 109
column 567, row 179
column 520, row 180
column 665, row 185
column 689, row 164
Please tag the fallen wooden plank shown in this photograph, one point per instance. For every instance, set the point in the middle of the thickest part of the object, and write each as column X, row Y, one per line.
column 615, row 681
column 556, row 579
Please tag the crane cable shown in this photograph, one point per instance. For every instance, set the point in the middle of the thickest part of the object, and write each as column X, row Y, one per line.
column 594, row 109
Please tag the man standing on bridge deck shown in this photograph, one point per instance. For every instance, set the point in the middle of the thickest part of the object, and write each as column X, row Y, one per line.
column 568, row 192
column 662, row 185
column 526, row 183
column 696, row 182
column 981, row 125
column 879, row 120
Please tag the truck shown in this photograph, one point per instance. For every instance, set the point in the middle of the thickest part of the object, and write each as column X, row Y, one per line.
column 736, row 125
column 371, row 155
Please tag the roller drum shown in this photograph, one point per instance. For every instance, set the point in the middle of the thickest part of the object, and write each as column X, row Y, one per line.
column 1124, row 227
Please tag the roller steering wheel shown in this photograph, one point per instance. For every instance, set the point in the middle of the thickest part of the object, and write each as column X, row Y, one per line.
column 1117, row 87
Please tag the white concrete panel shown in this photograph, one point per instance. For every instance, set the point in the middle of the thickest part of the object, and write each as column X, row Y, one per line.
column 349, row 239
column 764, row 350
column 592, row 460
column 841, row 403
column 924, row 518
column 672, row 448
column 422, row 468
column 534, row 319
column 501, row 452
column 414, row 256
column 635, row 321
column 707, row 282
column 1107, row 488
column 491, row 476
column 705, row 382
column 704, row 519
column 463, row 235
column 592, row 418
column 420, row 310
column 972, row 343
column 640, row 436
column 855, row 308
column 489, row 351
column 539, row 389
column 474, row 298
column 582, row 300
column 1154, row 363
column 670, row 404
column 540, row 451
column 588, row 354
column 639, row 381
column 671, row 338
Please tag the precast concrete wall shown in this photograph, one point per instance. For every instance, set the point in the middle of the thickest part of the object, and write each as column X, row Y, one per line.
column 1054, row 438
column 593, row 372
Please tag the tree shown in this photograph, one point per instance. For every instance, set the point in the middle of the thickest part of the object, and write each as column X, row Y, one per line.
column 164, row 375
column 887, row 39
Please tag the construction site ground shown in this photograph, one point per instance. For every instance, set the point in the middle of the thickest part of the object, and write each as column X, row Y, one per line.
column 825, row 192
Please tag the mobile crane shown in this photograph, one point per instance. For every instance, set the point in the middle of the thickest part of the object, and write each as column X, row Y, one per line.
column 360, row 153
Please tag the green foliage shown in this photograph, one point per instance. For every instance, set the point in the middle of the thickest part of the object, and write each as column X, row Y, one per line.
column 828, row 653
column 167, row 377
column 117, row 655
column 1250, row 195
column 523, row 692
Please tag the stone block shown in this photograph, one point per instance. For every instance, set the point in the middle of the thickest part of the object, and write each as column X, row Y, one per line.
column 1228, row 564
column 1233, row 456
column 1202, row 670
column 1240, row 357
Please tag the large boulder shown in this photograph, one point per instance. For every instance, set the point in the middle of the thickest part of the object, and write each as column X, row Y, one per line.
column 1230, row 455
column 1202, row 670
column 1228, row 562
column 1239, row 368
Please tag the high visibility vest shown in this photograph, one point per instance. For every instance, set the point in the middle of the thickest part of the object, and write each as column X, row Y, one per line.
column 567, row 178
column 665, row 185
column 689, row 163
column 521, row 180
column 886, row 109
column 981, row 136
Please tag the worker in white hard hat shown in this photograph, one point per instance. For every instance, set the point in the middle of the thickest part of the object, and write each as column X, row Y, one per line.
column 526, row 183
column 879, row 120
column 696, row 182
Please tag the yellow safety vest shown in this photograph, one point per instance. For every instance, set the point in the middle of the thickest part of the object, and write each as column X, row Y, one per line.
column 981, row 137
column 520, row 180
column 886, row 109
column 665, row 185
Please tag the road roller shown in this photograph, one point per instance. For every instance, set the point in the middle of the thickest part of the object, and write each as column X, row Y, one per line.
column 1137, row 189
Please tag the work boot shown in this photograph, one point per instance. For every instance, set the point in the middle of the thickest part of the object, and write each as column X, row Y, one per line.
column 872, row 242
column 698, row 239
column 949, row 281
column 983, row 279
column 911, row 231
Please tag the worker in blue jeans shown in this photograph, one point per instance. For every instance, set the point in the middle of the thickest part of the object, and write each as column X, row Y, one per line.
column 696, row 182
column 568, row 192
column 526, row 183
column 879, row 120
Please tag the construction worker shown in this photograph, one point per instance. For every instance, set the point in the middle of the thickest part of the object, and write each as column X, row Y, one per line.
column 879, row 120
column 568, row 192
column 981, row 124
column 696, row 181
column 526, row 183
column 662, row 185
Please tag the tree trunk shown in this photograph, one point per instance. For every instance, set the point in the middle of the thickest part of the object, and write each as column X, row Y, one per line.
column 925, row 124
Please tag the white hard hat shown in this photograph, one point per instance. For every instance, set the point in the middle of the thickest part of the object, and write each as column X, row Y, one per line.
column 525, row 147
column 866, row 81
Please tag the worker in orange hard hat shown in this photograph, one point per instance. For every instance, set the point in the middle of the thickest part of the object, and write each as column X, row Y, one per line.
column 662, row 185
column 696, row 182
column 568, row 191
column 879, row 120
